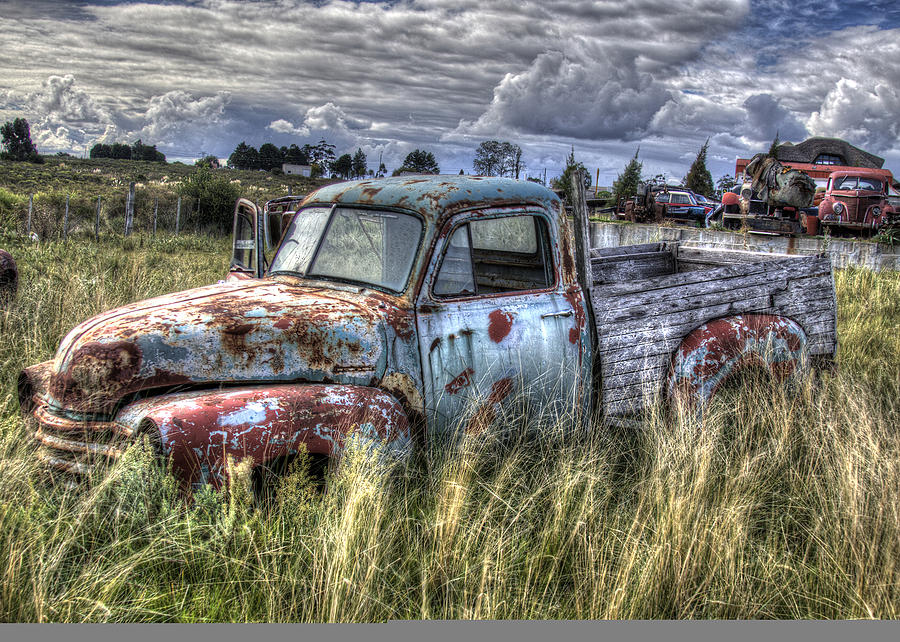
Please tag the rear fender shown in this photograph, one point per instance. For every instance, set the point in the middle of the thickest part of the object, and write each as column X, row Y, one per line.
column 199, row 430
column 720, row 348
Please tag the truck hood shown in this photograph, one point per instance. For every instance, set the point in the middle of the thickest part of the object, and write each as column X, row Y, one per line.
column 244, row 332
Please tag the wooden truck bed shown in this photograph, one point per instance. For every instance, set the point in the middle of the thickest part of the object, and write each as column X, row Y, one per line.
column 647, row 298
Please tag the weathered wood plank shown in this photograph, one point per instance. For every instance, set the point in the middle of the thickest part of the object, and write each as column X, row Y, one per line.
column 646, row 375
column 792, row 293
column 651, row 371
column 632, row 266
column 627, row 249
column 611, row 296
column 799, row 266
column 820, row 336
column 724, row 257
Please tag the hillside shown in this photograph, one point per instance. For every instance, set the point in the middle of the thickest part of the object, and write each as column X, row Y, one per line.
column 84, row 180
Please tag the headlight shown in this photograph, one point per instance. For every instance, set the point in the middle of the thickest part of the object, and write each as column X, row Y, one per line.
column 838, row 208
column 876, row 211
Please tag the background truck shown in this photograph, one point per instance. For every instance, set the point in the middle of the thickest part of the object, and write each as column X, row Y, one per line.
column 773, row 199
column 404, row 309
column 657, row 203
column 859, row 201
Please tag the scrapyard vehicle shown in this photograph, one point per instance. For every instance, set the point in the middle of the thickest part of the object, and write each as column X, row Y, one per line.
column 9, row 279
column 655, row 203
column 774, row 199
column 412, row 308
column 859, row 201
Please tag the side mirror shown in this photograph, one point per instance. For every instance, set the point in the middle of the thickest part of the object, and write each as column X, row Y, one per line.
column 247, row 256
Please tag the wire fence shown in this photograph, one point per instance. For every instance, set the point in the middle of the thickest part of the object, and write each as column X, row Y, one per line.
column 50, row 216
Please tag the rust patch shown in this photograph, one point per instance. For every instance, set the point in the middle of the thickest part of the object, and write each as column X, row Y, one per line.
column 368, row 193
column 568, row 263
column 576, row 300
column 500, row 325
column 97, row 369
column 481, row 420
column 500, row 390
column 404, row 388
column 462, row 380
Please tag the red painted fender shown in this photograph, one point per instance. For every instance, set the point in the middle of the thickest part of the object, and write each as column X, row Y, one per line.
column 198, row 430
column 717, row 349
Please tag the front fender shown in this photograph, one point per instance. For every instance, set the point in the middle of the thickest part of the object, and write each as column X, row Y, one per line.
column 199, row 430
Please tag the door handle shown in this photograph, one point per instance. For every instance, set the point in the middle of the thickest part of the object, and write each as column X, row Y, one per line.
column 566, row 313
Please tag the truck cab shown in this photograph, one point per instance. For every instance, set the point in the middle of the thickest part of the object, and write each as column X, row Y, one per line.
column 392, row 308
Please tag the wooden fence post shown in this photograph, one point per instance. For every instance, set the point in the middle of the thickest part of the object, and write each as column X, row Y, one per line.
column 30, row 205
column 155, row 214
column 65, row 229
column 177, row 215
column 129, row 209
column 97, row 222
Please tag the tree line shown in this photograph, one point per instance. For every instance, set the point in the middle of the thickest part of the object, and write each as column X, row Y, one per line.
column 124, row 151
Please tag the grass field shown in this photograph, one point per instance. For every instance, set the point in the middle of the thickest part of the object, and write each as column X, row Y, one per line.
column 777, row 506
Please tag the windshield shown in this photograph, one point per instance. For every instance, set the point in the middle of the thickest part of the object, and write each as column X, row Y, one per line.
column 857, row 182
column 359, row 246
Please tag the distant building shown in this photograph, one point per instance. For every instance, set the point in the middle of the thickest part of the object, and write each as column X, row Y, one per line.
column 299, row 170
column 818, row 157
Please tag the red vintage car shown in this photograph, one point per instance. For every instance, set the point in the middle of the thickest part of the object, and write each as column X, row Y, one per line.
column 859, row 200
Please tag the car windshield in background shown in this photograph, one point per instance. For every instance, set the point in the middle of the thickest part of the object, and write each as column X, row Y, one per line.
column 857, row 182
column 353, row 245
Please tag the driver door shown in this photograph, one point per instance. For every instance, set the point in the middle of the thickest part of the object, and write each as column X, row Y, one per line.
column 247, row 253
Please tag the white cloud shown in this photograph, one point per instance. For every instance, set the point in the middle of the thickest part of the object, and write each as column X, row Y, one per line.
column 864, row 113
column 284, row 127
column 172, row 115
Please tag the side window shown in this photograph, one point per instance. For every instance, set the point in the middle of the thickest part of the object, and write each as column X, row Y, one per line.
column 496, row 255
column 455, row 277
column 663, row 198
column 243, row 256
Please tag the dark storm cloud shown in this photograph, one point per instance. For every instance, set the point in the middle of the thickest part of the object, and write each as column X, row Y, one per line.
column 390, row 77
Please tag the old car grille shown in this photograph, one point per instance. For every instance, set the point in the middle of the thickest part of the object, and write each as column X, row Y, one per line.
column 77, row 447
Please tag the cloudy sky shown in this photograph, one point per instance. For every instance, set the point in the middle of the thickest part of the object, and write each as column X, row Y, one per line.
column 605, row 76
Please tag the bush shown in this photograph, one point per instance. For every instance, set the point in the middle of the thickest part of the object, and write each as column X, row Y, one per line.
column 214, row 196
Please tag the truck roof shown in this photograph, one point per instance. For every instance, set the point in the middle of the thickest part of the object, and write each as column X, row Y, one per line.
column 883, row 173
column 435, row 196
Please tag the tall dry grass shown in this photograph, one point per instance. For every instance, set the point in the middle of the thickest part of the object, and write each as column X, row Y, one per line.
column 776, row 504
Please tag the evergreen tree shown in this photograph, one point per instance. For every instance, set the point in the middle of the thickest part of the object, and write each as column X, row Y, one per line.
column 626, row 185
column 419, row 161
column 244, row 157
column 17, row 141
column 773, row 148
column 269, row 157
column 294, row 155
column 359, row 165
column 698, row 178
column 101, row 151
column 342, row 167
column 564, row 182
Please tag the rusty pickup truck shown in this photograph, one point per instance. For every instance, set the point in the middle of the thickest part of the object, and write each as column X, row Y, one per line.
column 413, row 308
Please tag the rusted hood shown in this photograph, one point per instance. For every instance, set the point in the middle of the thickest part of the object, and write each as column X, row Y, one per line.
column 256, row 331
